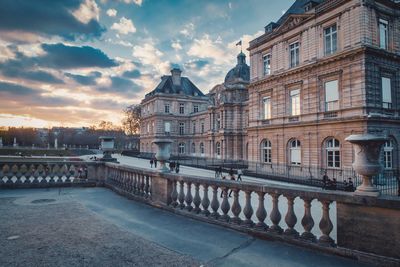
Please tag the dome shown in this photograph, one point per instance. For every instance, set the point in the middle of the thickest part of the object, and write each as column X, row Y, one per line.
column 240, row 73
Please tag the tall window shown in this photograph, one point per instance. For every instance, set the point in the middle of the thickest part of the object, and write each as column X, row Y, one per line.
column 386, row 93
column 181, row 148
column 167, row 127
column 148, row 128
column 383, row 34
column 267, row 64
column 295, row 102
column 295, row 152
column 266, row 151
column 181, row 128
column 218, row 121
column 331, row 95
column 267, row 108
column 333, row 153
column 388, row 155
column 195, row 108
column 330, row 40
column 181, row 108
column 166, row 108
column 193, row 148
column 294, row 54
column 194, row 127
column 218, row 149
column 202, row 126
column 202, row 149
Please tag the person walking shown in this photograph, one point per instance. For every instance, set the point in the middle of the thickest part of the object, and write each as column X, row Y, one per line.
column 155, row 163
column 151, row 163
column 222, row 190
column 239, row 172
column 232, row 179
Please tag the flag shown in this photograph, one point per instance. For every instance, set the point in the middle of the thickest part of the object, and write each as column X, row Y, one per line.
column 239, row 43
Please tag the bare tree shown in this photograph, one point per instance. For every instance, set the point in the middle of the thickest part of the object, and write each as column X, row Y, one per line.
column 131, row 121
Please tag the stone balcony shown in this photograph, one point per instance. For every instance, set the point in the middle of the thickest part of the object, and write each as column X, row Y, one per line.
column 332, row 222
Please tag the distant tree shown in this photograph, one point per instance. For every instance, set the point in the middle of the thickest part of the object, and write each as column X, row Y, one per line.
column 131, row 121
column 107, row 126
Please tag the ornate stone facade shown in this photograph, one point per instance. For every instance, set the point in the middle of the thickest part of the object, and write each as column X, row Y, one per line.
column 324, row 71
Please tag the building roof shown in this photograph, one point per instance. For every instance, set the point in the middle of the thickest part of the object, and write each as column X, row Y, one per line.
column 298, row 7
column 240, row 73
column 166, row 86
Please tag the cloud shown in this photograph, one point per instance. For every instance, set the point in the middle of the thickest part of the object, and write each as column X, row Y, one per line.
column 149, row 55
column 206, row 48
column 111, row 12
column 196, row 64
column 133, row 74
column 137, row 2
column 51, row 18
column 176, row 45
column 85, row 80
column 188, row 30
column 87, row 11
column 124, row 26
column 121, row 86
column 39, row 75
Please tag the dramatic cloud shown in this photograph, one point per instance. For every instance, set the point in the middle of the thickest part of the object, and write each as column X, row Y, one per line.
column 176, row 45
column 51, row 18
column 196, row 64
column 133, row 74
column 124, row 26
column 149, row 55
column 137, row 2
column 111, row 12
column 207, row 48
column 39, row 76
column 85, row 80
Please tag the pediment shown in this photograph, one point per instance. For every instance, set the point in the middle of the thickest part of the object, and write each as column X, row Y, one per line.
column 292, row 21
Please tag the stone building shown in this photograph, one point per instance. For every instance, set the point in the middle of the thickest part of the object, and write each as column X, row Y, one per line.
column 323, row 71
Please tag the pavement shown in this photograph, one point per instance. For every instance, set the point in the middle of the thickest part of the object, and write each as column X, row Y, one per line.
column 96, row 227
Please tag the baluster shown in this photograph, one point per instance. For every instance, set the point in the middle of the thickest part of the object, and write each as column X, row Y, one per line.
column 275, row 215
column 189, row 198
column 147, row 186
column 205, row 202
column 290, row 218
column 225, row 205
column 196, row 199
column 261, row 213
column 142, row 185
column 131, row 186
column 215, row 202
column 236, row 208
column 174, row 195
column 181, row 195
column 307, row 221
column 326, row 225
column 248, row 210
column 135, row 184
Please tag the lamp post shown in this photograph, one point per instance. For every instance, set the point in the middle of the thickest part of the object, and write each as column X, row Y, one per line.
column 367, row 148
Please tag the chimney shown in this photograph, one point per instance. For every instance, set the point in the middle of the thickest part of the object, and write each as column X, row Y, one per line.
column 176, row 76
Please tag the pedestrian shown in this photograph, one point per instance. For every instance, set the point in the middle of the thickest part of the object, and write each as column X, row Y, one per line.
column 177, row 168
column 239, row 172
column 350, row 185
column 155, row 163
column 222, row 190
column 151, row 163
column 230, row 172
column 325, row 180
column 334, row 184
column 232, row 179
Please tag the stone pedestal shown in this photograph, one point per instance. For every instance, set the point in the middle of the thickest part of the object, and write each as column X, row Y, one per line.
column 367, row 151
column 163, row 153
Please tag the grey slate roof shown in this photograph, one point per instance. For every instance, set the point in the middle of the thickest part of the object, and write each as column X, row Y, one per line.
column 296, row 8
column 240, row 73
column 167, row 87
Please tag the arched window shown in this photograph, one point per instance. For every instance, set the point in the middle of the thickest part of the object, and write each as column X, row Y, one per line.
column 295, row 152
column 266, row 151
column 181, row 148
column 332, row 153
column 202, row 149
column 218, row 149
column 193, row 148
column 388, row 155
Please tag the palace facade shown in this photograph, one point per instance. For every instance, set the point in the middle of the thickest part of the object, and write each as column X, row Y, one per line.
column 323, row 71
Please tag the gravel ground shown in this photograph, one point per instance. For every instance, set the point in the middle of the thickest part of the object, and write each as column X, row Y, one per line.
column 68, row 234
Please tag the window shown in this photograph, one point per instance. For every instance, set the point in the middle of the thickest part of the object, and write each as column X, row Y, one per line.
column 202, row 149
column 388, row 155
column 218, row 121
column 295, row 152
column 181, row 148
column 195, row 108
column 267, row 108
column 167, row 127
column 193, row 148
column 148, row 127
column 266, row 151
column 194, row 127
column 181, row 128
column 330, row 40
column 202, row 126
column 331, row 95
column 218, row 149
column 294, row 54
column 333, row 153
column 386, row 93
column 166, row 108
column 267, row 64
column 383, row 34
column 181, row 108
column 295, row 102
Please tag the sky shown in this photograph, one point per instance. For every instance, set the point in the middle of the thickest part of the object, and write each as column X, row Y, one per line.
column 75, row 63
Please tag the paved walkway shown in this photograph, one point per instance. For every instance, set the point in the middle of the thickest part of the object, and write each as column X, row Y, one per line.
column 96, row 227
